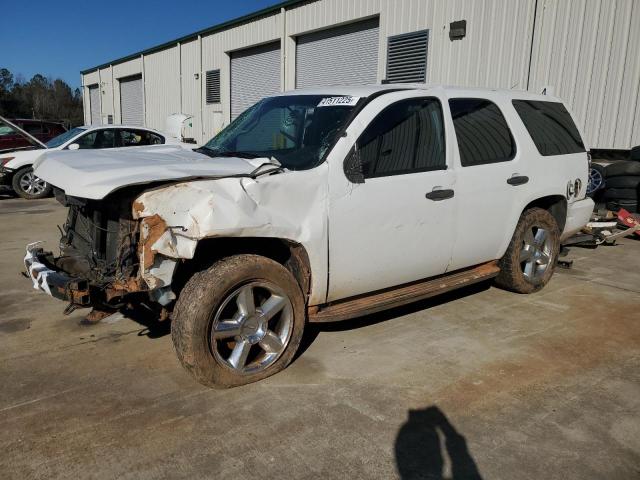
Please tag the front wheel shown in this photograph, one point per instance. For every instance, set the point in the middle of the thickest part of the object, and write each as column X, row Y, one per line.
column 239, row 321
column 26, row 184
column 531, row 257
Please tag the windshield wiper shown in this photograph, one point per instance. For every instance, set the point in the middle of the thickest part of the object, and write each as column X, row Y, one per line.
column 239, row 154
column 206, row 150
column 217, row 153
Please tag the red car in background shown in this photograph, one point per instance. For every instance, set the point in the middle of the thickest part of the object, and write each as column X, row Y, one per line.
column 41, row 129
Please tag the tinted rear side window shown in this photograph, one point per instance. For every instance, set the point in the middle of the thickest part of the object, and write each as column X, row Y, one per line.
column 482, row 132
column 551, row 127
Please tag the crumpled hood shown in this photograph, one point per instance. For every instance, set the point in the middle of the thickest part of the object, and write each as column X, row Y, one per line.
column 96, row 173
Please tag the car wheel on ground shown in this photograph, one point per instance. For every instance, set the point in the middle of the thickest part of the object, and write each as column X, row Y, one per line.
column 26, row 184
column 239, row 321
column 530, row 259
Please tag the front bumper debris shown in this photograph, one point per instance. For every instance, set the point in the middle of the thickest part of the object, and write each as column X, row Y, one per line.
column 55, row 283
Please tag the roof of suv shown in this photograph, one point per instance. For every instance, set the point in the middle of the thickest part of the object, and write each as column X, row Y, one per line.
column 452, row 91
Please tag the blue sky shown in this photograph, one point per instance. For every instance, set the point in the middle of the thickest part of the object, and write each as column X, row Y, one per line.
column 60, row 38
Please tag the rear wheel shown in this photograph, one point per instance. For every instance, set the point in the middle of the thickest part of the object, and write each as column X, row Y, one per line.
column 530, row 259
column 239, row 321
column 26, row 184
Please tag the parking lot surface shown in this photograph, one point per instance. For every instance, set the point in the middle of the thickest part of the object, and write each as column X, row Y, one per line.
column 480, row 383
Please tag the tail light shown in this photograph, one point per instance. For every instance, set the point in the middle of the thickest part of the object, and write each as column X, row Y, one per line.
column 5, row 160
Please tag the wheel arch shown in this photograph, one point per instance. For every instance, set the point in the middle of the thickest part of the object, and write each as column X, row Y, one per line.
column 556, row 205
column 290, row 254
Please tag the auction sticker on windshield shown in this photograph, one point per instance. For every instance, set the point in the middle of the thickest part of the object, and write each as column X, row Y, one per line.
column 338, row 101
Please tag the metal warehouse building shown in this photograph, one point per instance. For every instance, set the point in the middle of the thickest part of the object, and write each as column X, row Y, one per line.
column 585, row 51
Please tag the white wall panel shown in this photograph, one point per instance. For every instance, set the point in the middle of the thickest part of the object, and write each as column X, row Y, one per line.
column 162, row 86
column 106, row 92
column 587, row 52
column 190, row 86
column 494, row 52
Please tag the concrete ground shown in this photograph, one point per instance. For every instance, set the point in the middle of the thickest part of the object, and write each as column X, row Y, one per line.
column 480, row 383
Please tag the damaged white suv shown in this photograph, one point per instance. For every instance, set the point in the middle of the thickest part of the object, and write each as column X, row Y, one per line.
column 316, row 206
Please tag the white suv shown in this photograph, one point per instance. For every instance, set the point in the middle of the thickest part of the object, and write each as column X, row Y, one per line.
column 316, row 206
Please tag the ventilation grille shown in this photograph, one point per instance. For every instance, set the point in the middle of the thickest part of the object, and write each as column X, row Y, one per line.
column 407, row 58
column 213, row 86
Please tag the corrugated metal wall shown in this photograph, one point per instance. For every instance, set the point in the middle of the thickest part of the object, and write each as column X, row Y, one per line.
column 190, row 85
column 162, row 86
column 585, row 50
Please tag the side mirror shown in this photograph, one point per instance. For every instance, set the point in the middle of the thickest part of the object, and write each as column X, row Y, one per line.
column 353, row 167
column 73, row 146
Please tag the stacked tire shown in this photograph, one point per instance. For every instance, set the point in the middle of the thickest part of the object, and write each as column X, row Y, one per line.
column 622, row 186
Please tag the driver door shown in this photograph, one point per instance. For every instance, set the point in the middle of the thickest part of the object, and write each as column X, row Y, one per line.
column 397, row 226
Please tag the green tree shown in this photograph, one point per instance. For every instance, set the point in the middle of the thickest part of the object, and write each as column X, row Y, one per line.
column 41, row 97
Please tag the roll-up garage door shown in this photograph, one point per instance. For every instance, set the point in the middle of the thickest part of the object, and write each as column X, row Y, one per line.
column 345, row 55
column 255, row 74
column 131, row 104
column 94, row 104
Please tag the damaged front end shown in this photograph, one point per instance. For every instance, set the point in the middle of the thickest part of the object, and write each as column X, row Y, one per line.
column 99, row 261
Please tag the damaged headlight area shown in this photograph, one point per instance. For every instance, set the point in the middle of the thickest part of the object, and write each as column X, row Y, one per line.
column 99, row 260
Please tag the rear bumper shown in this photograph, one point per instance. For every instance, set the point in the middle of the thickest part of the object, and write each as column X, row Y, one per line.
column 55, row 283
column 578, row 215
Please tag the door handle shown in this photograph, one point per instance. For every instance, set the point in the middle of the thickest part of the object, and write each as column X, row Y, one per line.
column 517, row 180
column 439, row 194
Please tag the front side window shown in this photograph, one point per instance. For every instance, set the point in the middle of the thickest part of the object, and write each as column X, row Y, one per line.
column 297, row 130
column 551, row 127
column 406, row 137
column 63, row 137
column 97, row 139
column 137, row 138
column 482, row 132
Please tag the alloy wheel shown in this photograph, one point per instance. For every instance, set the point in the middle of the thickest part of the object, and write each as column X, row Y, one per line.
column 535, row 255
column 31, row 184
column 252, row 328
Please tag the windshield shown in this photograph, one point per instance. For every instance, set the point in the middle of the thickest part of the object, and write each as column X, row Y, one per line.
column 296, row 130
column 63, row 137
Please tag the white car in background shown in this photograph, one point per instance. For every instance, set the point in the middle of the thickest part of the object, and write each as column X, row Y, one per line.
column 16, row 167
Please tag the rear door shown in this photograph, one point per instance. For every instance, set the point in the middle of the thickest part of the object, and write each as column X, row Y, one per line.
column 397, row 226
column 491, row 180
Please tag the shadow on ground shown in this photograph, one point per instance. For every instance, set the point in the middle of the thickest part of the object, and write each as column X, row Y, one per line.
column 156, row 329
column 420, row 453
column 312, row 330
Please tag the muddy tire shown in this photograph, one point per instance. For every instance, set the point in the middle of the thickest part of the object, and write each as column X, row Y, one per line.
column 530, row 259
column 239, row 321
column 29, row 186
